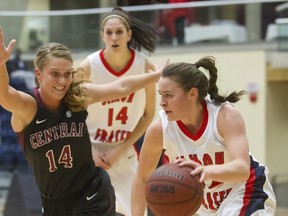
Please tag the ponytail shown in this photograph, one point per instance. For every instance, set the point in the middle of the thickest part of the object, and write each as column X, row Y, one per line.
column 208, row 63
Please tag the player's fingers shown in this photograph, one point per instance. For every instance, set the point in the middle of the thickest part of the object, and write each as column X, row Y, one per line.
column 197, row 170
column 161, row 65
column 105, row 163
column 1, row 35
column 164, row 63
column 11, row 46
column 178, row 160
column 202, row 177
column 190, row 163
column 106, row 166
column 108, row 163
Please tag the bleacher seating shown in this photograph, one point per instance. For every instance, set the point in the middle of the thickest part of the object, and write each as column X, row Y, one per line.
column 11, row 154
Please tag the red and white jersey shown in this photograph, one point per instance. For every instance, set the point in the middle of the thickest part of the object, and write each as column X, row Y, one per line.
column 113, row 121
column 208, row 147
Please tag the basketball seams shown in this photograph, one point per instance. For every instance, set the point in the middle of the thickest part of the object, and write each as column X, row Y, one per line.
column 189, row 211
column 195, row 207
column 172, row 190
column 174, row 183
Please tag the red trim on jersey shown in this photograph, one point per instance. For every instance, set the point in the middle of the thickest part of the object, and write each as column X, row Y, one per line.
column 117, row 73
column 200, row 132
column 249, row 188
column 38, row 96
column 165, row 159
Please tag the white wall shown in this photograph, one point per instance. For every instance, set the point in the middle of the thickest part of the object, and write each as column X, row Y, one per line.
column 277, row 128
column 40, row 23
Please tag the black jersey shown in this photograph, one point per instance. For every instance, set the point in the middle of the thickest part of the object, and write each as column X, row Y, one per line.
column 57, row 146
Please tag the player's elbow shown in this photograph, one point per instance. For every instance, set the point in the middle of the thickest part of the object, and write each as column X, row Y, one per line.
column 148, row 116
column 245, row 172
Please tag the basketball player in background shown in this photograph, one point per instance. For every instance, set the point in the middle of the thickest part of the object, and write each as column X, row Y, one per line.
column 202, row 129
column 116, row 125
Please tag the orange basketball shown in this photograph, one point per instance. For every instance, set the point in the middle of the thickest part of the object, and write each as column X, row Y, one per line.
column 172, row 190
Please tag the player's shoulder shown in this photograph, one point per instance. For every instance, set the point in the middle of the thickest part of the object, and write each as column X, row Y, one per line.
column 95, row 53
column 228, row 110
column 138, row 55
column 227, row 113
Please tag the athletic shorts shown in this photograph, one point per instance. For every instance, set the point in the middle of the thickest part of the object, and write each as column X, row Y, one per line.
column 96, row 199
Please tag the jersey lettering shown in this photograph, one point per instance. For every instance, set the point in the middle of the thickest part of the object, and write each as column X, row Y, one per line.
column 62, row 130
column 211, row 201
column 64, row 158
column 127, row 99
column 206, row 158
column 102, row 135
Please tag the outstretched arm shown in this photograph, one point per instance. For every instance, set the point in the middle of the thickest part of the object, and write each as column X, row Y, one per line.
column 123, row 86
column 11, row 99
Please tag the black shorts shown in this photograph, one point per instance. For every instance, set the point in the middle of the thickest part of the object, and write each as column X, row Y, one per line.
column 97, row 199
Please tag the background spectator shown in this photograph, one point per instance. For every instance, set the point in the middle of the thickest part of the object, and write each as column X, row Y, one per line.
column 16, row 63
column 177, row 19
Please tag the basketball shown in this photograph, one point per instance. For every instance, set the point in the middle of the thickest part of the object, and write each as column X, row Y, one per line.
column 172, row 190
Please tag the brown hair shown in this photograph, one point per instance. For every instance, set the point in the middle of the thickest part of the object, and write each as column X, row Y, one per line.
column 143, row 35
column 189, row 75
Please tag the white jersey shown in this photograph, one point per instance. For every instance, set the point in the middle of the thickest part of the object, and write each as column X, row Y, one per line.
column 254, row 197
column 113, row 121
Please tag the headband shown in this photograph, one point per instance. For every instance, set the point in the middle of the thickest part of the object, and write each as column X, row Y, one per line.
column 116, row 16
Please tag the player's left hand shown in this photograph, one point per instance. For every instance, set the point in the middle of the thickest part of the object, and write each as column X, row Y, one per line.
column 99, row 160
column 197, row 168
column 111, row 156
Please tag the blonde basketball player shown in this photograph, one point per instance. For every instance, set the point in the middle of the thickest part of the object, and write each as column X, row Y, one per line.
column 50, row 124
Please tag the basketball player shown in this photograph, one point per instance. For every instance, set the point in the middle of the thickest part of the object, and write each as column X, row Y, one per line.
column 52, row 131
column 123, row 121
column 202, row 129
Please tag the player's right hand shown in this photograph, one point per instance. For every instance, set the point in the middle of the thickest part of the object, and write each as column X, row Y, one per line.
column 5, row 52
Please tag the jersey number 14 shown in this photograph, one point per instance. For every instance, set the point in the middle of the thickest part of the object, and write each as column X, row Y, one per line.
column 120, row 116
column 65, row 158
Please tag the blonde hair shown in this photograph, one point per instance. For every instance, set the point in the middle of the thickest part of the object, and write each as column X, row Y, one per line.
column 76, row 97
column 57, row 50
